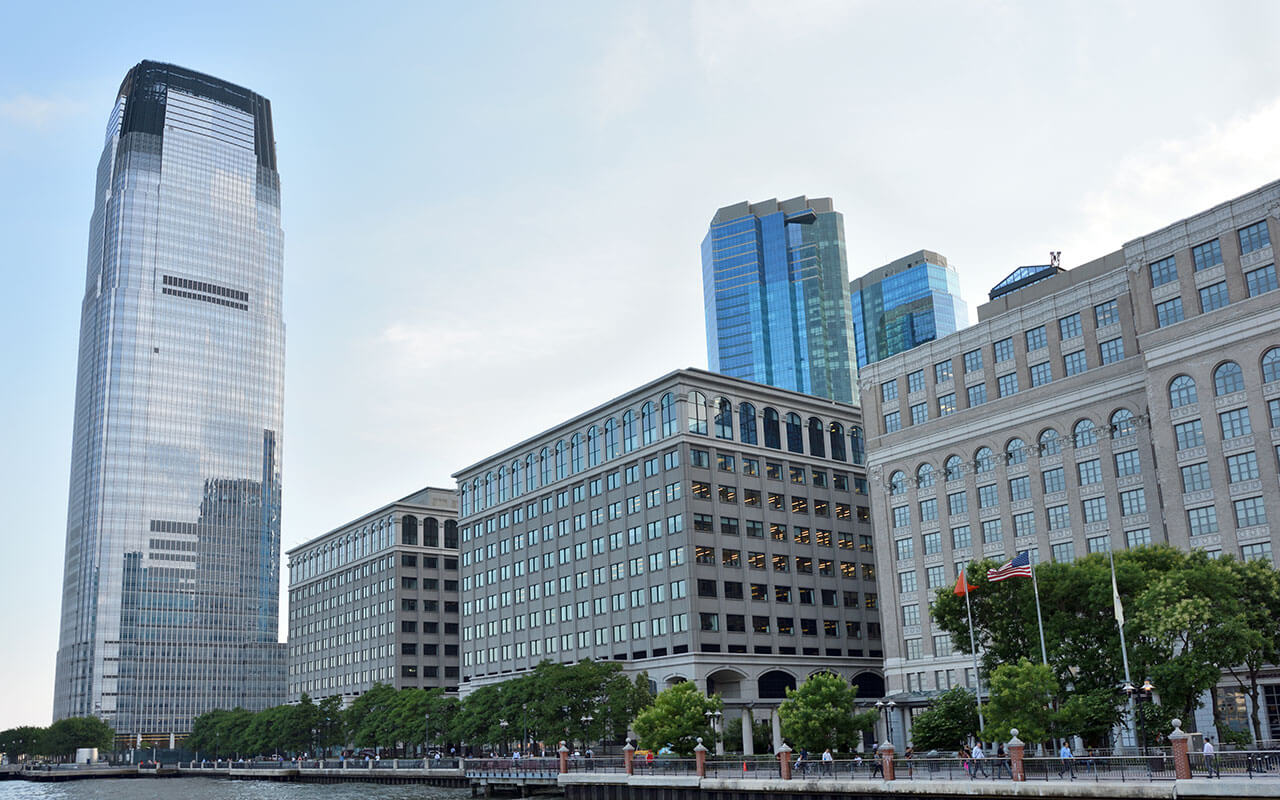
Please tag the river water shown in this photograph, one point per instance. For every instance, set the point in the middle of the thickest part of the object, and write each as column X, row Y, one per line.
column 215, row 789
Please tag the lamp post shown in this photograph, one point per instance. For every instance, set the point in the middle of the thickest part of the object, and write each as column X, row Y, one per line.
column 524, row 720
column 502, row 723
column 886, row 707
column 586, row 720
column 1138, row 694
column 713, row 722
column 426, row 734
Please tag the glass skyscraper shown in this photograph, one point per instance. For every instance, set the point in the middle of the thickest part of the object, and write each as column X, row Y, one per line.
column 775, row 288
column 171, row 587
column 907, row 302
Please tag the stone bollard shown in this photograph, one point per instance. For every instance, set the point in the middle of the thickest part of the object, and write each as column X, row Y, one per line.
column 886, row 760
column 629, row 753
column 1016, row 749
column 1181, row 762
column 700, row 756
column 784, row 762
column 564, row 758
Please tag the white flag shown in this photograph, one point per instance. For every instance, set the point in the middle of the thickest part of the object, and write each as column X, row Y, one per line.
column 1115, row 597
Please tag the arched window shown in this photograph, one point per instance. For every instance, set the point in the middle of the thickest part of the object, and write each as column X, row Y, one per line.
column 836, row 434
column 724, row 418
column 561, row 467
column 451, row 534
column 1271, row 365
column 1182, row 391
column 516, row 486
column 954, row 468
column 575, row 453
column 1015, row 451
column 898, row 483
column 795, row 440
column 431, row 532
column 610, row 438
column 697, row 412
column 546, row 466
column 476, row 495
column 984, row 460
column 593, row 446
column 857, row 448
column 747, row 423
column 670, row 423
column 772, row 433
column 817, row 447
column 1122, row 423
column 1228, row 378
column 648, row 423
column 924, row 476
column 629, row 439
column 1084, row 433
column 1050, row 444
column 488, row 490
column 464, row 500
column 504, row 487
column 530, row 473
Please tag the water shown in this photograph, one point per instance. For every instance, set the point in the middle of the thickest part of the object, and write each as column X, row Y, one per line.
column 215, row 789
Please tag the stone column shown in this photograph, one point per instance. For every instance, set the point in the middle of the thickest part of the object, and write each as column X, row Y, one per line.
column 748, row 731
column 776, row 721
column 564, row 758
column 886, row 760
column 784, row 762
column 700, row 757
column 628, row 753
column 1181, row 762
column 1016, row 749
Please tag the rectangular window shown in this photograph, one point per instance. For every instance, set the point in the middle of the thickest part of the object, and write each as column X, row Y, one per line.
column 942, row 372
column 1138, row 537
column 905, row 548
column 1020, row 488
column 911, row 614
column 697, row 458
column 992, row 530
column 1242, row 467
column 1037, row 338
column 901, row 516
column 1069, row 327
column 1213, row 297
column 928, row 509
column 907, row 581
column 1128, row 463
column 1024, row 524
column 1133, row 502
column 1064, row 552
column 889, row 391
column 973, row 361
column 988, row 496
column 958, row 503
column 1189, row 434
column 1054, row 480
column 1041, row 374
column 961, row 537
column 1254, row 237
column 1059, row 517
column 915, row 381
column 977, row 395
column 1260, row 551
column 1207, row 255
column 1273, row 411
column 1095, row 509
column 1074, row 363
column 1169, row 312
column 1003, row 350
column 1195, row 477
column 1250, row 512
column 1007, row 384
column 1235, row 423
column 935, row 577
column 1261, row 280
column 1111, row 350
column 919, row 413
column 932, row 543
column 1163, row 271
column 1107, row 313
column 1202, row 520
column 1089, row 471
column 946, row 404
column 892, row 422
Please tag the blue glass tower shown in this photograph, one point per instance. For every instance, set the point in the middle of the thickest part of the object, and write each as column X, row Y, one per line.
column 774, row 283
column 905, row 303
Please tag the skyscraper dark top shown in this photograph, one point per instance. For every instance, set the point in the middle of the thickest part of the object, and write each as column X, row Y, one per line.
column 171, row 584
column 775, row 284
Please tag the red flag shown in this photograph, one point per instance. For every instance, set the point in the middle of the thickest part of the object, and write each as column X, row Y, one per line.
column 963, row 586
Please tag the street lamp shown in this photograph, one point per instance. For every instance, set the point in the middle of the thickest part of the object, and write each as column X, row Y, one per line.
column 502, row 723
column 1138, row 694
column 426, row 734
column 586, row 720
column 713, row 722
column 524, row 718
column 886, row 708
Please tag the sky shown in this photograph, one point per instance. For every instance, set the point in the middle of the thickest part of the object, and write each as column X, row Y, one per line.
column 493, row 210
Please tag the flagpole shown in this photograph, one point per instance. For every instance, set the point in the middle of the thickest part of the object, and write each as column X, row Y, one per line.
column 973, row 648
column 1124, row 651
column 1035, row 586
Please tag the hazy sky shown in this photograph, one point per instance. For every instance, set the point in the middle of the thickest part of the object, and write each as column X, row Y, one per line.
column 493, row 211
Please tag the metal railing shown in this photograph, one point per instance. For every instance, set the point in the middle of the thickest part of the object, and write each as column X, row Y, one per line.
column 520, row 767
column 764, row 766
column 1153, row 767
column 1237, row 764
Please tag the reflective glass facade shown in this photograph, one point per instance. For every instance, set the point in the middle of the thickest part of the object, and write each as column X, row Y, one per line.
column 913, row 300
column 171, row 583
column 774, row 278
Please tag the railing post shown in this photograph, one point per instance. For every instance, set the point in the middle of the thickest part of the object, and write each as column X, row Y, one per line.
column 1016, row 750
column 1181, row 761
column 564, row 758
column 886, row 760
column 784, row 762
column 700, row 757
column 628, row 753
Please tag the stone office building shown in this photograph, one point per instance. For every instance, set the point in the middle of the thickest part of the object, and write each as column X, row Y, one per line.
column 1133, row 399
column 376, row 601
column 698, row 527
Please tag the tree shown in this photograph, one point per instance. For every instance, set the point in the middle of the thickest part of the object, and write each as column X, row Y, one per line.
column 62, row 738
column 1091, row 714
column 761, row 735
column 677, row 719
column 370, row 717
column 947, row 723
column 21, row 741
column 1256, row 633
column 819, row 714
column 1020, row 696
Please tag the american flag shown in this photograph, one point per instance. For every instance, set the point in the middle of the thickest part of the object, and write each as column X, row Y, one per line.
column 1018, row 566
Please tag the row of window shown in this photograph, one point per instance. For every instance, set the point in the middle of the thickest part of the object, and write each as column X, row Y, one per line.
column 1209, row 254
column 1216, row 295
column 732, row 526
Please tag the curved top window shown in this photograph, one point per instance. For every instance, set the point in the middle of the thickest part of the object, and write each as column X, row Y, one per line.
column 629, row 439
column 1271, row 365
column 924, row 476
column 1228, row 378
column 1122, row 423
column 561, row 471
column 464, row 498
column 504, row 485
column 795, row 441
column 724, row 418
column 1050, row 444
column 1084, row 433
column 1182, row 391
column 954, row 468
column 530, row 472
column 610, row 438
column 1016, row 451
column 817, row 447
column 546, row 466
column 670, row 422
column 836, row 431
column 772, row 432
column 593, row 446
column 984, row 460
column 575, row 453
column 697, row 412
column 898, row 483
column 488, row 490
column 517, row 487
column 747, row 423
column 857, row 448
column 649, row 423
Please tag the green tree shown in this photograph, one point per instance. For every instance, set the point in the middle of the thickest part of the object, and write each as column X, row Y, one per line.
column 331, row 728
column 819, row 714
column 370, row 717
column 947, row 723
column 62, row 738
column 1256, row 632
column 761, row 736
column 677, row 718
column 20, row 742
column 1090, row 714
column 1020, row 694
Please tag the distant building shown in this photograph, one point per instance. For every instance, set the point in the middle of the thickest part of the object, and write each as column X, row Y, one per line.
column 376, row 601
column 775, row 287
column 171, row 586
column 905, row 303
column 698, row 527
column 1132, row 400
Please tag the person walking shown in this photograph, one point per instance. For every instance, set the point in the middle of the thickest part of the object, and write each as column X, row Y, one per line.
column 1210, row 760
column 828, row 762
column 1067, row 758
column 877, row 762
column 979, row 764
column 1002, row 762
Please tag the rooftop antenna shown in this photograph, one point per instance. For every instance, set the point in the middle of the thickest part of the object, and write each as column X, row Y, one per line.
column 1055, row 259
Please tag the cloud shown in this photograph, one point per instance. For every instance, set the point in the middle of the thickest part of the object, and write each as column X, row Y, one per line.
column 38, row 112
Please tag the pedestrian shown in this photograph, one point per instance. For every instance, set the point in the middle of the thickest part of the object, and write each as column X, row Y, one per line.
column 828, row 762
column 1002, row 762
column 906, row 756
column 978, row 756
column 802, row 763
column 1067, row 757
column 963, row 754
column 877, row 763
column 1210, row 760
